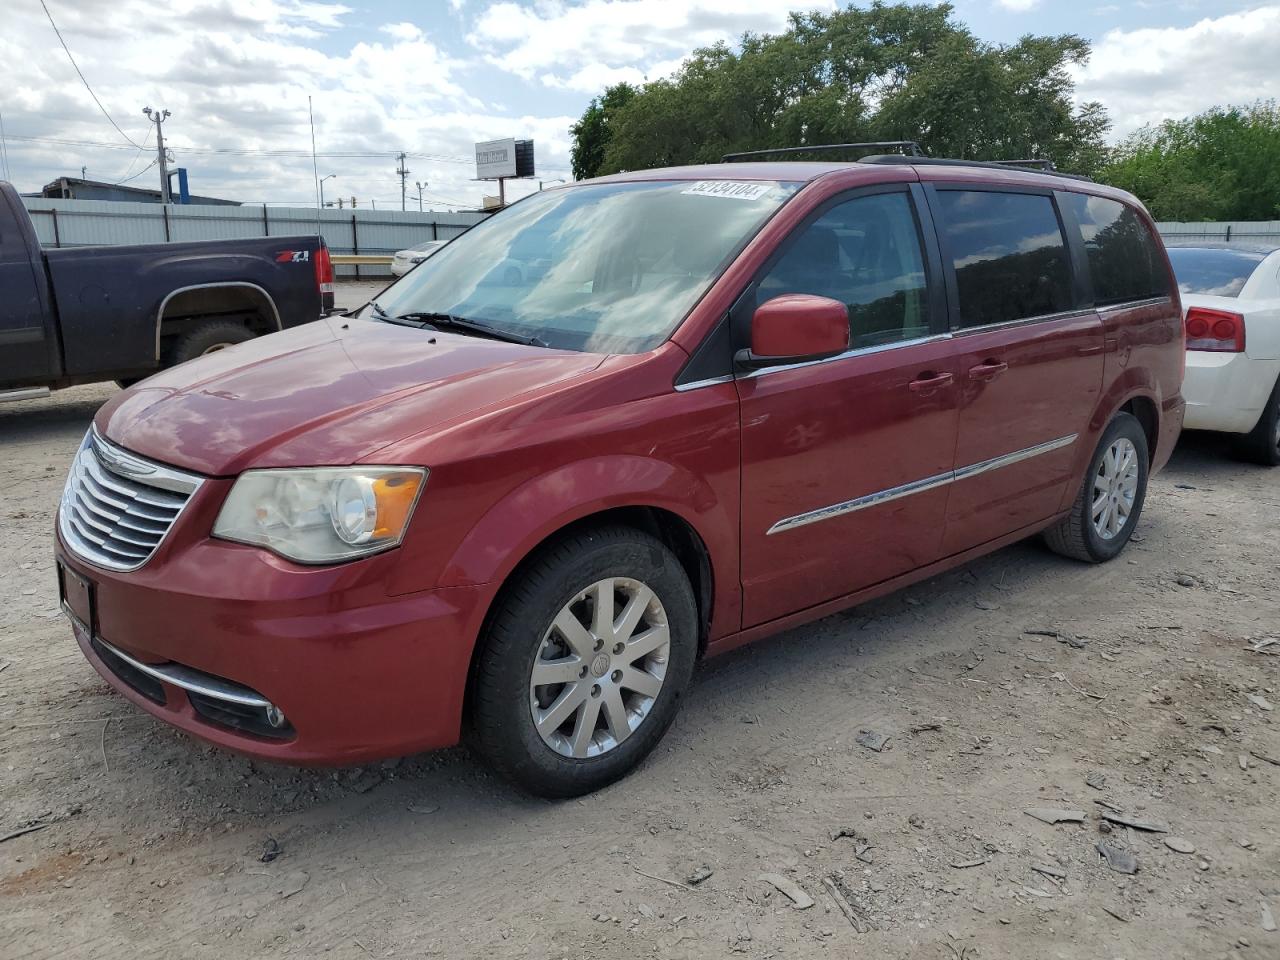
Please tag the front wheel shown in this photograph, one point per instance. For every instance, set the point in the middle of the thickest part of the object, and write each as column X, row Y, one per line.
column 1107, row 508
column 586, row 657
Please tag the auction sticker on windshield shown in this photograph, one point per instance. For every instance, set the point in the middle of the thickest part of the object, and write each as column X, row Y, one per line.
column 729, row 188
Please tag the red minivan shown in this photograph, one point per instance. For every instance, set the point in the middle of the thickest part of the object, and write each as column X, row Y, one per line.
column 615, row 428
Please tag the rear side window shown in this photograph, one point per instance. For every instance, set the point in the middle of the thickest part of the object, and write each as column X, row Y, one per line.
column 1009, row 255
column 865, row 253
column 1124, row 258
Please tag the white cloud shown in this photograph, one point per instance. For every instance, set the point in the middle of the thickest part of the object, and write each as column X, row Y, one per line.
column 1159, row 73
column 236, row 75
column 569, row 46
column 402, row 31
column 1017, row 6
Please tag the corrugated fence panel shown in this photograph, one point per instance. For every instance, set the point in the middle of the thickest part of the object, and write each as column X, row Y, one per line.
column 69, row 223
column 1241, row 231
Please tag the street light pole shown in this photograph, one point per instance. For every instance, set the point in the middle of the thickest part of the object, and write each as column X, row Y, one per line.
column 322, row 180
column 420, row 187
column 158, row 117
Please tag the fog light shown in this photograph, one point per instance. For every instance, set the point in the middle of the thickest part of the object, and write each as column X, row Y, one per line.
column 275, row 716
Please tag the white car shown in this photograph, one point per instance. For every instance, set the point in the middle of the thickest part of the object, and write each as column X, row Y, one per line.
column 1231, row 304
column 406, row 260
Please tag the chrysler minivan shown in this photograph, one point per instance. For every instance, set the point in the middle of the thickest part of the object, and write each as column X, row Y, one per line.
column 618, row 427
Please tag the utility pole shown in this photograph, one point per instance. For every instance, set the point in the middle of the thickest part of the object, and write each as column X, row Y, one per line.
column 158, row 117
column 404, row 176
column 420, row 186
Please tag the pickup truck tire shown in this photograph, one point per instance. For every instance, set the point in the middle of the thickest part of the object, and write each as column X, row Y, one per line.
column 611, row 682
column 1262, row 444
column 206, row 338
column 1080, row 535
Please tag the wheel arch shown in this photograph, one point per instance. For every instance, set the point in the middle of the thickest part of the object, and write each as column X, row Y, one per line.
column 229, row 298
column 670, row 528
column 1144, row 410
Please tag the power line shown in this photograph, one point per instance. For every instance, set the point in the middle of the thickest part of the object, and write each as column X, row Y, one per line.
column 287, row 154
column 67, row 50
column 302, row 154
column 138, row 174
column 145, row 141
column 4, row 147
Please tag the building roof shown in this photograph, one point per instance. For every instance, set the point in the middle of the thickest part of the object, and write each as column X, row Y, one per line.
column 64, row 187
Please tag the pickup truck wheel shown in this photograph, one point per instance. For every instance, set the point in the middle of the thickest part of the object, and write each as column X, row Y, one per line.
column 1262, row 444
column 1107, row 508
column 586, row 657
column 207, row 338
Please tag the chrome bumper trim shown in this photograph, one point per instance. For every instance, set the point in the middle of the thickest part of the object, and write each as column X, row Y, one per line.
column 192, row 680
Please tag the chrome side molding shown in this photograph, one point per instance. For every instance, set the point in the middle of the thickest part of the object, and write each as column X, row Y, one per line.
column 918, row 486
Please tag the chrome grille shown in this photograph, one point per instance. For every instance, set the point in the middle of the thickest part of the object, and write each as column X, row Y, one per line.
column 118, row 507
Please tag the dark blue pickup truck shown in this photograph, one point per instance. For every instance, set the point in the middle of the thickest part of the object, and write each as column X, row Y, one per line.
column 84, row 314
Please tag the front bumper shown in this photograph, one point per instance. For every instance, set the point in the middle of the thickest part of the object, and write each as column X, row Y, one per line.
column 357, row 675
column 1226, row 391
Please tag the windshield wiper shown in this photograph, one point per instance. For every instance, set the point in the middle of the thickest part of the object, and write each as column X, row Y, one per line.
column 385, row 317
column 449, row 321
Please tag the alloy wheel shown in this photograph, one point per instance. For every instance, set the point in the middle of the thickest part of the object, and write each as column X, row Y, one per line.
column 1115, row 487
column 599, row 668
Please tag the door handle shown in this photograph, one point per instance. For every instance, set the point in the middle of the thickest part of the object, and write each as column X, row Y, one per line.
column 927, row 383
column 1091, row 351
column 988, row 371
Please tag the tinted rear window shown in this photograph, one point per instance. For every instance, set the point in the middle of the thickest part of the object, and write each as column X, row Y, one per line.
column 1216, row 273
column 1124, row 258
column 1009, row 255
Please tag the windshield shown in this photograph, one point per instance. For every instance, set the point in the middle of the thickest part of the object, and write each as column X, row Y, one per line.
column 1213, row 272
column 607, row 268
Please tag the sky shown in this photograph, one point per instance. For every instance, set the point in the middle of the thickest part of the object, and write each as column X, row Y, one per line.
column 432, row 77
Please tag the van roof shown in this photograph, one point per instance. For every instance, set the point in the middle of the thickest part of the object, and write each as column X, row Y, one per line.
column 804, row 171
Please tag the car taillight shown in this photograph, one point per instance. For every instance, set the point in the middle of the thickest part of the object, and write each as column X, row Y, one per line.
column 324, row 270
column 1216, row 330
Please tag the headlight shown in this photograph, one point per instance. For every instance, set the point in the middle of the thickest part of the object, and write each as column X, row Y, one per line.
column 322, row 514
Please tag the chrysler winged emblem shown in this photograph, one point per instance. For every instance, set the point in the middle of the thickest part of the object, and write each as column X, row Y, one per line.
column 122, row 462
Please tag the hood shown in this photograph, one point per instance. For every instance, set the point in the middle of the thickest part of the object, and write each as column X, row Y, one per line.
column 326, row 393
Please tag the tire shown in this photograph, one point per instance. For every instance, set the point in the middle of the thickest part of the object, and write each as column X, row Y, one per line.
column 566, row 580
column 1094, row 539
column 206, row 338
column 1262, row 444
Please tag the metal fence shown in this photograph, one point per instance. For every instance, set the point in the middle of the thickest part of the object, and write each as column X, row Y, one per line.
column 1238, row 231
column 68, row 223
column 75, row 223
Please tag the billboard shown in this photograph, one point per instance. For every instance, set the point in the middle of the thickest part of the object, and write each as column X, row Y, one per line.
column 504, row 158
column 495, row 158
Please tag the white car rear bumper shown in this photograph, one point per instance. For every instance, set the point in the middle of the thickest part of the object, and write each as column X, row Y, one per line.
column 1226, row 391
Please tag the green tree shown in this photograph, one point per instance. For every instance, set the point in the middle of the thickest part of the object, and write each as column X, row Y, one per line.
column 887, row 71
column 592, row 133
column 1223, row 164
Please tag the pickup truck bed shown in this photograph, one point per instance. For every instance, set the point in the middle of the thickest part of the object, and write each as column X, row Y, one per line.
column 83, row 314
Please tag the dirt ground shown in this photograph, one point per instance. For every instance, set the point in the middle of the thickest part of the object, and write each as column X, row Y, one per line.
column 151, row 844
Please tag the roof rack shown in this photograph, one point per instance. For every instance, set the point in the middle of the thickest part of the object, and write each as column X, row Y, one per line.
column 910, row 146
column 1030, row 164
column 1048, row 169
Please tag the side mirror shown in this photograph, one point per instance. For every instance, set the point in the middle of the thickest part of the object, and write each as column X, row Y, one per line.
column 794, row 328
